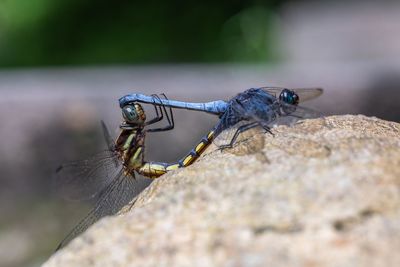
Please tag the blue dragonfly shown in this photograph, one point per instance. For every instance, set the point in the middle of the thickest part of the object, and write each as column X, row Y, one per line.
column 109, row 177
column 255, row 107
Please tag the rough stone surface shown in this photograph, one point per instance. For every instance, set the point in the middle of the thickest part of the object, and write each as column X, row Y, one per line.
column 325, row 192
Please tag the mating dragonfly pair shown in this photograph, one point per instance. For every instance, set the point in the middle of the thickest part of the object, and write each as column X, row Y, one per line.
column 110, row 175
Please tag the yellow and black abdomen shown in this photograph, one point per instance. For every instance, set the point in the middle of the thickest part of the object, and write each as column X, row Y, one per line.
column 195, row 153
column 156, row 169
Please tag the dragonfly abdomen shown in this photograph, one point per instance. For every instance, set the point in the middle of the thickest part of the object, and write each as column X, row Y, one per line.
column 195, row 153
column 156, row 169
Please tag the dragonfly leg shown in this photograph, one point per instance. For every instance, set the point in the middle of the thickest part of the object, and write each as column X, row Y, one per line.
column 159, row 113
column 240, row 130
column 170, row 119
column 267, row 129
column 294, row 116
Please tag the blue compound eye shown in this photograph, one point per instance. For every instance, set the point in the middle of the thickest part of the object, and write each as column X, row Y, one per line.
column 129, row 113
column 289, row 97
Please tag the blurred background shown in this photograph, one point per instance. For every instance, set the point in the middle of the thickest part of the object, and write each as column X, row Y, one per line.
column 65, row 63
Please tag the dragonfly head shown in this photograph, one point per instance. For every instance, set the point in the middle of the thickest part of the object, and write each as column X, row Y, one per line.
column 289, row 97
column 289, row 100
column 133, row 114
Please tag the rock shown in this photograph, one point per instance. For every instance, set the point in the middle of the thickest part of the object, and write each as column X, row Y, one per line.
column 324, row 192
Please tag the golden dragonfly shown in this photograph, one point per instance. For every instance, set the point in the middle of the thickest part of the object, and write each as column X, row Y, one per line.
column 110, row 176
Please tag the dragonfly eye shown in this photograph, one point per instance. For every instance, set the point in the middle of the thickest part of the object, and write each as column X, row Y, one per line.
column 130, row 114
column 289, row 97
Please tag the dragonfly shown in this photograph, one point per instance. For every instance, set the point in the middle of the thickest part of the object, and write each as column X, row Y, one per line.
column 255, row 107
column 110, row 176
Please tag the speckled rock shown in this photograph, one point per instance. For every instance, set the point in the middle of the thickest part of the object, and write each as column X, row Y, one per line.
column 324, row 192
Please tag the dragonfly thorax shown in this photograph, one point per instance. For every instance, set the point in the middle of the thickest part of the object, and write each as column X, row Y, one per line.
column 255, row 104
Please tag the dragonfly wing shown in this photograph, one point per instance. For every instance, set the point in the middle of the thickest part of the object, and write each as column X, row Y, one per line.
column 295, row 114
column 223, row 129
column 301, row 112
column 238, row 119
column 116, row 195
column 84, row 179
column 107, row 137
column 304, row 94
column 227, row 136
column 109, row 141
column 234, row 121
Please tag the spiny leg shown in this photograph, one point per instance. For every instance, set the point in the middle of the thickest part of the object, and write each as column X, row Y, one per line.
column 159, row 116
column 239, row 130
column 170, row 119
column 294, row 116
column 266, row 128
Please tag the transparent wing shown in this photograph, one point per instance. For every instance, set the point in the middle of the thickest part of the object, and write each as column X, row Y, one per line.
column 107, row 136
column 109, row 141
column 304, row 94
column 112, row 198
column 233, row 124
column 241, row 129
column 84, row 179
column 235, row 121
column 227, row 126
column 294, row 114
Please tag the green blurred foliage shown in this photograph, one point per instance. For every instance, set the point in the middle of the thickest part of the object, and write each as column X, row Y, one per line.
column 63, row 32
